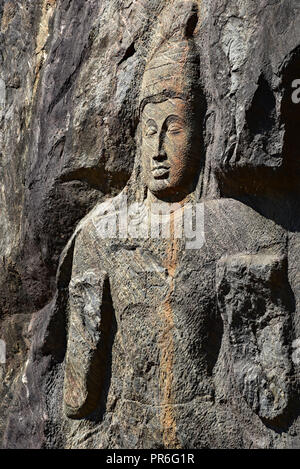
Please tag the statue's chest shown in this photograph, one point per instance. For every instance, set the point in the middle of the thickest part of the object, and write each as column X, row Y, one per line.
column 151, row 278
column 164, row 305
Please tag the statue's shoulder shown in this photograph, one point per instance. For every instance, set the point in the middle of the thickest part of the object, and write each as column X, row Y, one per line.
column 227, row 205
column 232, row 209
column 102, row 212
column 87, row 229
column 235, row 223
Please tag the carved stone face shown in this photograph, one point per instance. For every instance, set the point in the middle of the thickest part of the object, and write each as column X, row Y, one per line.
column 167, row 160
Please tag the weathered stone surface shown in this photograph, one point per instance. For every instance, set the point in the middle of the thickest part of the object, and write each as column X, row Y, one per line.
column 256, row 303
column 138, row 343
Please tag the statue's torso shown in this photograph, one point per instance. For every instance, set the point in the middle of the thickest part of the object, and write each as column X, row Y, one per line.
column 169, row 333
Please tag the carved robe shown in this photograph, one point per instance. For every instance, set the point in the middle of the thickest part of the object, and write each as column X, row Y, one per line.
column 153, row 326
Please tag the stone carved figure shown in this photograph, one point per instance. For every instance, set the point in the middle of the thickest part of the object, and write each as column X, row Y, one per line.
column 158, row 332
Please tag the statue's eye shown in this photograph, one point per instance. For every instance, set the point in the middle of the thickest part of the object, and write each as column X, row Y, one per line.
column 151, row 131
column 175, row 128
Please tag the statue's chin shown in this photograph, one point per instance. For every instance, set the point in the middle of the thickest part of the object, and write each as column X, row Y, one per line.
column 159, row 186
column 164, row 191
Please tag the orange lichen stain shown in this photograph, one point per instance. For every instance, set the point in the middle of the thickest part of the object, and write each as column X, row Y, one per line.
column 167, row 418
column 41, row 39
column 47, row 11
column 9, row 11
column 43, row 32
column 168, row 421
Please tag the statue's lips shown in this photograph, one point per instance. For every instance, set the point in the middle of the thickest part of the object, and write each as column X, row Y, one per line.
column 161, row 172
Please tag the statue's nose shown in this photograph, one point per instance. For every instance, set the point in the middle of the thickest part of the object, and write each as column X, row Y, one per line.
column 160, row 156
column 159, row 152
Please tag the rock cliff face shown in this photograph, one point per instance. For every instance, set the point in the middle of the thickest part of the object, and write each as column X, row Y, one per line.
column 195, row 349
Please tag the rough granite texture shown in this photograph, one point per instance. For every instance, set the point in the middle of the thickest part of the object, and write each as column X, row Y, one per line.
column 195, row 348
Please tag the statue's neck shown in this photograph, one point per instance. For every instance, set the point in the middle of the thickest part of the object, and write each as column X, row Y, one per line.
column 152, row 199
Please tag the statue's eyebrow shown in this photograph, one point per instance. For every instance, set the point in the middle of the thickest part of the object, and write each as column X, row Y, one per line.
column 173, row 118
column 151, row 122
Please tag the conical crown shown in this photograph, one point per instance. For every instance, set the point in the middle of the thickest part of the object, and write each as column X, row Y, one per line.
column 172, row 65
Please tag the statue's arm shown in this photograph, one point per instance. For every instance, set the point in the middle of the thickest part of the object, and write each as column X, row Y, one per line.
column 88, row 328
column 255, row 301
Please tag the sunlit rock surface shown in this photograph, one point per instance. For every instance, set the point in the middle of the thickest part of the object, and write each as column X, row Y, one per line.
column 227, row 375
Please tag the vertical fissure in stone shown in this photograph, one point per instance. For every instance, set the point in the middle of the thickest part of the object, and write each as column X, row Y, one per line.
column 167, row 361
